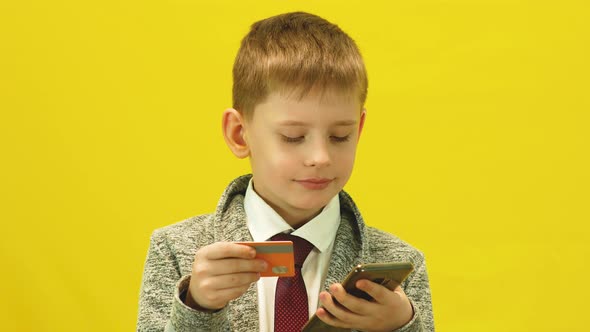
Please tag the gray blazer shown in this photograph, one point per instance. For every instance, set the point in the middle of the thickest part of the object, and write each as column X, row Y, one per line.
column 172, row 249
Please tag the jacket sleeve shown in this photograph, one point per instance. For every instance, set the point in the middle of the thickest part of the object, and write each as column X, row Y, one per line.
column 417, row 289
column 160, row 306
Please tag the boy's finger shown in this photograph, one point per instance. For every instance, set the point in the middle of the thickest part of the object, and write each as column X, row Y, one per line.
column 328, row 318
column 350, row 302
column 229, row 281
column 236, row 265
column 220, row 250
column 340, row 314
column 378, row 292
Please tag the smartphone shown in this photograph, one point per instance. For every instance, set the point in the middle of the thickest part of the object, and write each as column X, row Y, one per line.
column 390, row 275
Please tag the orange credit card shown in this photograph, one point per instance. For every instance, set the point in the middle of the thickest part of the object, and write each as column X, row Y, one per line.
column 279, row 256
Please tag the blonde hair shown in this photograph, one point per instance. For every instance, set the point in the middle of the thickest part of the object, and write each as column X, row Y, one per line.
column 296, row 52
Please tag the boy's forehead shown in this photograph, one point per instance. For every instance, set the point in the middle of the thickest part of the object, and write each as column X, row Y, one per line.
column 316, row 94
column 294, row 101
column 300, row 123
column 286, row 110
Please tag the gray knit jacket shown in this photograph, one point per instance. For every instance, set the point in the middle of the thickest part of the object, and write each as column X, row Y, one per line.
column 172, row 249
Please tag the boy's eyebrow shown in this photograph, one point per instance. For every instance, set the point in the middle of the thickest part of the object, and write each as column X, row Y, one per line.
column 303, row 124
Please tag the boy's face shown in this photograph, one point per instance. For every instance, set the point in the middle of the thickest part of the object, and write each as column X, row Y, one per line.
column 302, row 151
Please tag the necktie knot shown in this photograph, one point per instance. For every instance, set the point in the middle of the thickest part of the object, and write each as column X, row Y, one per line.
column 301, row 247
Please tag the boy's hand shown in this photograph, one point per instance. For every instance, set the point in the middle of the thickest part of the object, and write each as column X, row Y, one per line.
column 221, row 272
column 389, row 310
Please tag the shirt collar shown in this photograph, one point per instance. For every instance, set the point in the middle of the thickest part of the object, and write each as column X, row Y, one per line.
column 264, row 222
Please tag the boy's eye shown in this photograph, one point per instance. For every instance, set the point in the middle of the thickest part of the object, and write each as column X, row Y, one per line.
column 340, row 138
column 292, row 139
column 299, row 139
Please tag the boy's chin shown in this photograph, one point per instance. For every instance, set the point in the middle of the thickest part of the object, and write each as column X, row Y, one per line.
column 311, row 206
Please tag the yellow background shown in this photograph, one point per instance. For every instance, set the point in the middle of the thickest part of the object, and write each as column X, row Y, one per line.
column 475, row 149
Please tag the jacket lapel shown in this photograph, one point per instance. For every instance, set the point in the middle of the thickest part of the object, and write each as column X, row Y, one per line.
column 230, row 226
column 347, row 251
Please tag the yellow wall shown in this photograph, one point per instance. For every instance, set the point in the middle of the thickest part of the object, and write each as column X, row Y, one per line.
column 475, row 149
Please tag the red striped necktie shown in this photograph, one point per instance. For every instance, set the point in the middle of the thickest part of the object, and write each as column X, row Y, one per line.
column 291, row 304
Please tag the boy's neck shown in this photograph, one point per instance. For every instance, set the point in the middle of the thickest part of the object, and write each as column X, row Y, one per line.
column 295, row 219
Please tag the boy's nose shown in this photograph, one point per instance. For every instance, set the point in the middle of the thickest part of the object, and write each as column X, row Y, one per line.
column 319, row 156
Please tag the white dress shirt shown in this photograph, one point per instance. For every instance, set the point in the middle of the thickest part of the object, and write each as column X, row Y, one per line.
column 264, row 222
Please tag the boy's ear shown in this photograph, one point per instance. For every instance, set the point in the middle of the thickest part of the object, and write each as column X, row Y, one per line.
column 234, row 133
column 362, row 122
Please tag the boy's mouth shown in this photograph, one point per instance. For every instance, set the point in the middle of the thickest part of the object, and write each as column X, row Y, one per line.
column 314, row 183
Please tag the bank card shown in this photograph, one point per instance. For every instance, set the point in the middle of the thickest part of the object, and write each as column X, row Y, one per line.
column 279, row 256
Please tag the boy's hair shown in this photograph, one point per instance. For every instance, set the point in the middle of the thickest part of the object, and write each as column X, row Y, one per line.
column 294, row 53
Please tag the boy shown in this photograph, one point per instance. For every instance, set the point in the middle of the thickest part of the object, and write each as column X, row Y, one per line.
column 299, row 90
